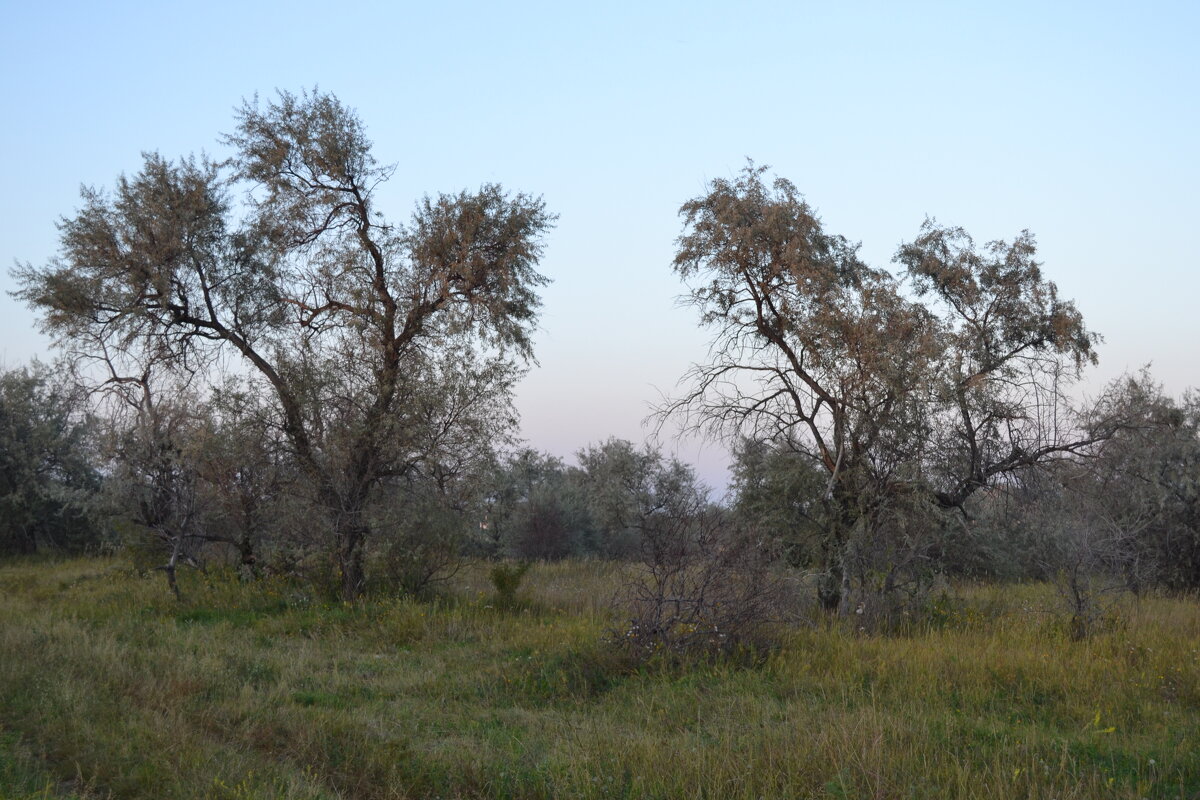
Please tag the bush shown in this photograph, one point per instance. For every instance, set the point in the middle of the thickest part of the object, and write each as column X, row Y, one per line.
column 506, row 578
column 707, row 588
column 422, row 549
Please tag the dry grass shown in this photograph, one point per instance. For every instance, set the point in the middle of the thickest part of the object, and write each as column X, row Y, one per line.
column 265, row 691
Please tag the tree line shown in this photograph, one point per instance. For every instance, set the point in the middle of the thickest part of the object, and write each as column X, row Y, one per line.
column 257, row 363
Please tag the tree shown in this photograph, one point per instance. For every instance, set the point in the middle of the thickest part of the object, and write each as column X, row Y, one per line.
column 536, row 507
column 779, row 493
column 625, row 487
column 812, row 350
column 703, row 585
column 243, row 471
column 154, row 478
column 533, row 510
column 375, row 340
column 1142, row 490
column 700, row 582
column 1010, row 349
column 828, row 358
column 48, row 474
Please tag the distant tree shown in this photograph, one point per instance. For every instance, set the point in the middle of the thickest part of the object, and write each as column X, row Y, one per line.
column 376, row 341
column 532, row 509
column 537, row 507
column 48, row 464
column 244, row 471
column 828, row 358
column 701, row 582
column 1142, row 490
column 779, row 493
column 626, row 487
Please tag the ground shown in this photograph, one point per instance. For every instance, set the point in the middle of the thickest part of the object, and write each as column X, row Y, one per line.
column 109, row 687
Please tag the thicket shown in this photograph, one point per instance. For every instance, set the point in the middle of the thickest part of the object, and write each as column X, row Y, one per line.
column 201, row 483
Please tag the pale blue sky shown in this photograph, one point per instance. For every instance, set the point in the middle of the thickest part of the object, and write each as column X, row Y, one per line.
column 1079, row 121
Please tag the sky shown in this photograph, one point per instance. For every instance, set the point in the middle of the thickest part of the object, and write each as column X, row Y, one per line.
column 1077, row 121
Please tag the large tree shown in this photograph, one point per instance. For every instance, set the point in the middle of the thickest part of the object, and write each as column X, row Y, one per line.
column 376, row 340
column 890, row 398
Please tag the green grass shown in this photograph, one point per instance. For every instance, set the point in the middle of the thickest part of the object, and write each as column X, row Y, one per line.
column 110, row 687
column 23, row 776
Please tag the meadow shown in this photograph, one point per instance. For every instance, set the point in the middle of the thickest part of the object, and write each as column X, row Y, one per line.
column 109, row 687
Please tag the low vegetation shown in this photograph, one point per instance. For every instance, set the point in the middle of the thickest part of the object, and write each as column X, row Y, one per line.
column 111, row 687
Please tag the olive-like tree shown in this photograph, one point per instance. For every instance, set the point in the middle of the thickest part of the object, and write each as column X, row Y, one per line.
column 154, row 480
column 813, row 349
column 49, row 476
column 886, row 394
column 375, row 340
column 1142, row 493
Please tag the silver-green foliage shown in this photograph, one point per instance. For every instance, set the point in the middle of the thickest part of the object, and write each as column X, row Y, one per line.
column 48, row 476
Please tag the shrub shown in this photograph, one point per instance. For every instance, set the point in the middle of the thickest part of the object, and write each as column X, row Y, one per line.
column 506, row 578
column 707, row 587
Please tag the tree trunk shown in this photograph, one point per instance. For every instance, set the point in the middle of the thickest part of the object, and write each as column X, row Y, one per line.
column 249, row 560
column 169, row 567
column 833, row 585
column 171, row 582
column 26, row 543
column 351, row 541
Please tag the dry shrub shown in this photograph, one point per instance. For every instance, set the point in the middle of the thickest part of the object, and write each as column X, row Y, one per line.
column 705, row 587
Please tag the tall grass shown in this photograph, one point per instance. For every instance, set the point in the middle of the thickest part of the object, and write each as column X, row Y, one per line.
column 244, row 691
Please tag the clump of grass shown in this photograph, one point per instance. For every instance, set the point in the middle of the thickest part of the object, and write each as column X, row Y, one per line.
column 23, row 776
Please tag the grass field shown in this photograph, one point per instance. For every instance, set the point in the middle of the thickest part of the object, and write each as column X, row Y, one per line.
column 108, row 687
